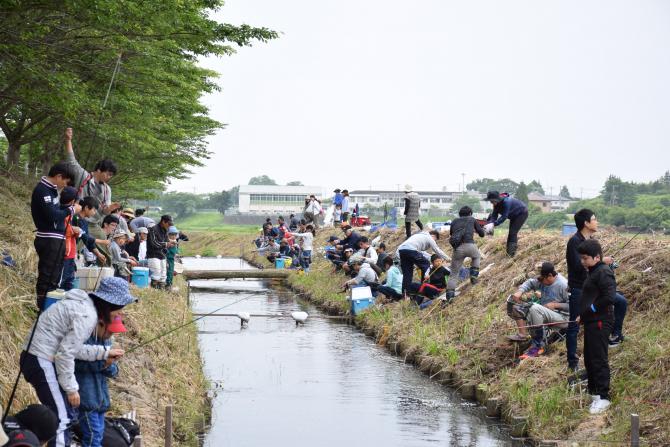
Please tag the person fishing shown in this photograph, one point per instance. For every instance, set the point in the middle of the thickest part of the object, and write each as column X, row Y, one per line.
column 506, row 207
column 48, row 359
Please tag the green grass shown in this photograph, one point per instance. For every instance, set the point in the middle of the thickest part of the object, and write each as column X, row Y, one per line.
column 213, row 221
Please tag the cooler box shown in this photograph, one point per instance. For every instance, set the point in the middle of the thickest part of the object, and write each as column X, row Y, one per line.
column 141, row 277
column 90, row 277
column 361, row 299
column 53, row 297
column 279, row 263
column 569, row 229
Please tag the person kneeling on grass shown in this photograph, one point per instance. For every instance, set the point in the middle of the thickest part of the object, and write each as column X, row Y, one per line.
column 552, row 307
column 121, row 262
column 597, row 316
column 434, row 283
column 365, row 276
column 392, row 287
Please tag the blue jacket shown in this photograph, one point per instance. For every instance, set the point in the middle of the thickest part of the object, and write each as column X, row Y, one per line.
column 92, row 379
column 86, row 238
column 337, row 200
column 507, row 208
column 48, row 215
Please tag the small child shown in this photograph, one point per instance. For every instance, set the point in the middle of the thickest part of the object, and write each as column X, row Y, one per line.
column 121, row 262
column 434, row 283
column 173, row 235
column 596, row 313
column 92, row 379
column 68, row 197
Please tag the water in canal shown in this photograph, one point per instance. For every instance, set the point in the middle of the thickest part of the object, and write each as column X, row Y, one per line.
column 321, row 384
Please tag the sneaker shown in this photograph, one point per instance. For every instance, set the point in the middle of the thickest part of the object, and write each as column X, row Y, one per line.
column 599, row 405
column 615, row 340
column 533, row 351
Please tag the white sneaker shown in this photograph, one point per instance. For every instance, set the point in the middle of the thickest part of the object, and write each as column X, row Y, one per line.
column 599, row 405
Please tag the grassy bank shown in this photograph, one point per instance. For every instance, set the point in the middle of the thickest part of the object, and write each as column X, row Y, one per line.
column 468, row 338
column 168, row 371
column 213, row 221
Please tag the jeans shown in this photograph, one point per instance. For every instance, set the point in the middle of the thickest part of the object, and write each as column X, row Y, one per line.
column 389, row 293
column 92, row 424
column 408, row 259
column 306, row 259
column 620, row 309
column 67, row 278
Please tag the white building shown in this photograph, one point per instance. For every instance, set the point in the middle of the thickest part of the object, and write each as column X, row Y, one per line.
column 435, row 200
column 549, row 204
column 275, row 199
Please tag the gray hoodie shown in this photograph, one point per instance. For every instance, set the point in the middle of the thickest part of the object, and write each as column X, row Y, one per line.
column 60, row 335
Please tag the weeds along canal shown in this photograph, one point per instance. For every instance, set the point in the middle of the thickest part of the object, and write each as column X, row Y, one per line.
column 321, row 384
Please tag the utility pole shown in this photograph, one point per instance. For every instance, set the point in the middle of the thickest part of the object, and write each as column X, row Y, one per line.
column 581, row 193
column 463, row 187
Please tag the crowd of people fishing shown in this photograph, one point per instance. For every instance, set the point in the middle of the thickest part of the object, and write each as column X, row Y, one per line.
column 69, row 353
column 546, row 308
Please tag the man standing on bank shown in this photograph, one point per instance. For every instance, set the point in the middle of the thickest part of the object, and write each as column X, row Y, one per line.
column 412, row 207
column 506, row 207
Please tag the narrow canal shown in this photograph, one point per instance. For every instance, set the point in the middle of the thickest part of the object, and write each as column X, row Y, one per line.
column 321, row 384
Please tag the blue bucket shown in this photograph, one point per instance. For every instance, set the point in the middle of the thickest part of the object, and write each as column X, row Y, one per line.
column 279, row 263
column 53, row 297
column 141, row 277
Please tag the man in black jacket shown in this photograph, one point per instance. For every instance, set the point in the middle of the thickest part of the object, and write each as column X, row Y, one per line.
column 49, row 219
column 157, row 245
column 597, row 315
column 461, row 238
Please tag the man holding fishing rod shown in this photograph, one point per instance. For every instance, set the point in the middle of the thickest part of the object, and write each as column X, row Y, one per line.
column 587, row 226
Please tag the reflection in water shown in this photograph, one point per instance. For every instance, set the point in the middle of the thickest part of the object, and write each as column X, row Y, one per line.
column 322, row 384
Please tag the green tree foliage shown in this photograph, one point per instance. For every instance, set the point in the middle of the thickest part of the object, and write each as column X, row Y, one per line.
column 522, row 193
column 466, row 200
column 535, row 186
column 616, row 192
column 261, row 180
column 487, row 184
column 564, row 192
column 221, row 201
column 538, row 220
column 295, row 183
column 181, row 204
column 56, row 62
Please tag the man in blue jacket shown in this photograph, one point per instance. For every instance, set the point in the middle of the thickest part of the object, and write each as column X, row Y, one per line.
column 506, row 207
column 49, row 219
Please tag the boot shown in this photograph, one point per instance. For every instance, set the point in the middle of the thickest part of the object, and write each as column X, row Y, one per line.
column 474, row 273
column 155, row 284
column 511, row 249
column 451, row 294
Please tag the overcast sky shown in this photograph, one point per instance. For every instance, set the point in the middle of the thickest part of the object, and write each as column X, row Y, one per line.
column 380, row 93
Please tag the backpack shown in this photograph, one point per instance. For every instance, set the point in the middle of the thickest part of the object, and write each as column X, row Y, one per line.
column 120, row 432
column 456, row 238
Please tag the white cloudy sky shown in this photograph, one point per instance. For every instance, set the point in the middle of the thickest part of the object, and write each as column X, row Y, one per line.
column 379, row 93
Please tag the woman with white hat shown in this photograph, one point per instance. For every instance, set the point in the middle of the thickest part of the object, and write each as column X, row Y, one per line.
column 412, row 206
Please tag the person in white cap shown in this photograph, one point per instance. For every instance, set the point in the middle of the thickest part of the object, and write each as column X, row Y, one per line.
column 412, row 206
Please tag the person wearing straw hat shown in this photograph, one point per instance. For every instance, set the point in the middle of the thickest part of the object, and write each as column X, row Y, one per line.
column 48, row 359
column 412, row 207
column 92, row 379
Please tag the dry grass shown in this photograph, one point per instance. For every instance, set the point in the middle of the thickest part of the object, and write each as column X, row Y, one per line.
column 163, row 372
column 469, row 336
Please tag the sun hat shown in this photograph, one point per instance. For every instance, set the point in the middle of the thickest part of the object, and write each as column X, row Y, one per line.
column 119, row 233
column 408, row 188
column 115, row 291
column 116, row 326
column 144, row 230
column 128, row 212
column 492, row 195
column 173, row 230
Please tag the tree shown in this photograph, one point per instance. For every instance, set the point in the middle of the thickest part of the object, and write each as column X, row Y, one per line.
column 487, row 184
column 182, row 204
column 261, row 180
column 466, row 200
column 617, row 192
column 535, row 186
column 295, row 183
column 59, row 56
column 522, row 193
column 564, row 192
column 221, row 201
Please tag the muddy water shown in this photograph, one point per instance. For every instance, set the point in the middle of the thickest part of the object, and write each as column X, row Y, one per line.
column 321, row 384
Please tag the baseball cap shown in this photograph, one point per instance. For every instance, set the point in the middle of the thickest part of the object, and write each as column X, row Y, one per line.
column 173, row 230
column 116, row 326
column 166, row 218
column 332, row 239
column 22, row 438
column 40, row 420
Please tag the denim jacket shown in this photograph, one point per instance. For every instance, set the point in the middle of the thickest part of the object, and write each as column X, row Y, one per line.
column 92, row 378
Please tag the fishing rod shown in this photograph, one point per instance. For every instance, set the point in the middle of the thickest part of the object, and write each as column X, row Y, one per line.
column 661, row 211
column 174, row 329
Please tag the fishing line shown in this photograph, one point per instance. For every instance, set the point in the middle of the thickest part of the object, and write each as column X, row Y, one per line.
column 661, row 211
column 135, row 348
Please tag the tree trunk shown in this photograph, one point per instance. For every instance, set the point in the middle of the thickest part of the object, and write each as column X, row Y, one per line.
column 13, row 153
